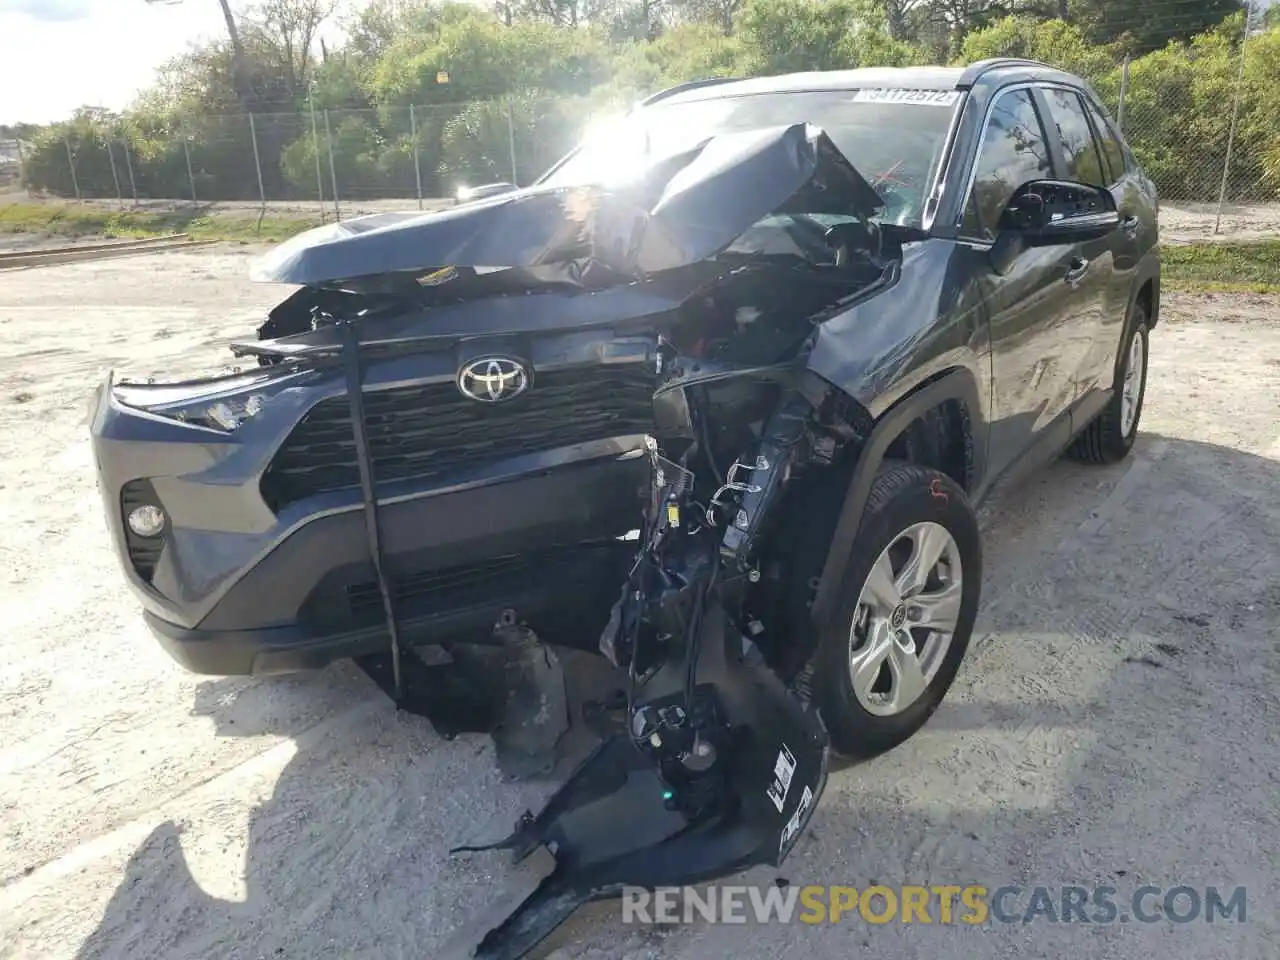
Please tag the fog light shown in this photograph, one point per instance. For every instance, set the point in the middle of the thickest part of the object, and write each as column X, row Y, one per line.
column 147, row 520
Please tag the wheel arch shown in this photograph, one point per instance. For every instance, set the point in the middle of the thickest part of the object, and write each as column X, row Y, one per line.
column 1146, row 288
column 950, row 394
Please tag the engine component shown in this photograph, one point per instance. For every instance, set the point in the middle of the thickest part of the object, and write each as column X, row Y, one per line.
column 777, row 456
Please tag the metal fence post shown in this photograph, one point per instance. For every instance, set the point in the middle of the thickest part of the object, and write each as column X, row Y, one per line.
column 1235, row 115
column 417, row 165
column 128, row 162
column 257, row 163
column 191, row 177
column 71, row 162
column 333, row 170
column 1124, row 89
column 115, row 173
column 511, row 142
column 315, row 149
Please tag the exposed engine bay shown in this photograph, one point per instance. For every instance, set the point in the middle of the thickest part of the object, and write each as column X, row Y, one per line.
column 721, row 754
column 718, row 755
column 719, row 761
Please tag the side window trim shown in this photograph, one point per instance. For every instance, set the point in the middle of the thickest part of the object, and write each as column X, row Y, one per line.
column 1057, row 158
column 1097, row 115
column 1039, row 107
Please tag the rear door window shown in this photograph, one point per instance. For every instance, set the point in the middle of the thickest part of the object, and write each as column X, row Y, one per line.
column 1069, row 124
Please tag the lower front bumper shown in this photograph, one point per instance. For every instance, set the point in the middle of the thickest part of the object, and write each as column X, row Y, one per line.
column 267, row 650
column 569, row 613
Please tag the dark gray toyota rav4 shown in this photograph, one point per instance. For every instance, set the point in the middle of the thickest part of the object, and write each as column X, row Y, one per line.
column 787, row 330
column 846, row 303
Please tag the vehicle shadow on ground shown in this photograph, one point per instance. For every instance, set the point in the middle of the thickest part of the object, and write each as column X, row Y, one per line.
column 1104, row 730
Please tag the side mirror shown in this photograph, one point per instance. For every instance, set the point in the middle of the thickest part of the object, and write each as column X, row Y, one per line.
column 467, row 194
column 1044, row 213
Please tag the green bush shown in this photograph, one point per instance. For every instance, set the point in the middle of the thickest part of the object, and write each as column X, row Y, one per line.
column 478, row 144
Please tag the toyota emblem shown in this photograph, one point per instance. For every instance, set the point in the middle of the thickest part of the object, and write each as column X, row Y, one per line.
column 493, row 379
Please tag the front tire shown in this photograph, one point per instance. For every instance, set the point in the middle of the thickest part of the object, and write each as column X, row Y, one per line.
column 909, row 602
column 1111, row 435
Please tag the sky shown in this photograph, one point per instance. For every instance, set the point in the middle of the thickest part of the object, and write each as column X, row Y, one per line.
column 56, row 55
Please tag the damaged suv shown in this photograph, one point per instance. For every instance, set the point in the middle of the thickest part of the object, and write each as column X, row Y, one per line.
column 714, row 397
column 963, row 264
column 957, row 268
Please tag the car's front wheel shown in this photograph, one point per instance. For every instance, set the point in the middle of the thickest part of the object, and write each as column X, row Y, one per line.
column 909, row 605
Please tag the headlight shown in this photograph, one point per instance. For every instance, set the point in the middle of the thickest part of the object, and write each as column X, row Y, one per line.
column 221, row 403
column 230, row 413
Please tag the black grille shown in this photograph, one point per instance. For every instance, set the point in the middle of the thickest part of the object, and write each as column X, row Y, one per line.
column 144, row 552
column 423, row 432
column 470, row 581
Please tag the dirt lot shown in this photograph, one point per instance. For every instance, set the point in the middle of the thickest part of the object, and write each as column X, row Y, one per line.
column 1115, row 723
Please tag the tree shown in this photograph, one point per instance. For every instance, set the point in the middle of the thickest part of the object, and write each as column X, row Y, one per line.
column 239, row 67
column 1063, row 44
column 530, row 72
column 270, row 52
column 784, row 35
column 722, row 14
column 285, row 31
column 1146, row 25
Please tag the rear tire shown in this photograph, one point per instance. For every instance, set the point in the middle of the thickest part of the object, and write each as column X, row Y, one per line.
column 881, row 668
column 1110, row 436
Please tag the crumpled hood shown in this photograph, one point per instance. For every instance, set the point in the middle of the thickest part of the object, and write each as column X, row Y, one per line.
column 680, row 210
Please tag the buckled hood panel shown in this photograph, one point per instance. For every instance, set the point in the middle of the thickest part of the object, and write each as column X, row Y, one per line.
column 680, row 210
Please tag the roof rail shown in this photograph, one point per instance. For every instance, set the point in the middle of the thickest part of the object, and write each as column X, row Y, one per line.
column 682, row 87
column 976, row 70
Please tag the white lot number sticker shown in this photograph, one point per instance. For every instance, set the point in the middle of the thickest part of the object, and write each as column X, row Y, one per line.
column 784, row 769
column 925, row 98
column 793, row 825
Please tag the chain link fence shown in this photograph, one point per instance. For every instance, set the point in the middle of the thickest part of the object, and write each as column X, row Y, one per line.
column 342, row 161
column 10, row 163
column 1206, row 128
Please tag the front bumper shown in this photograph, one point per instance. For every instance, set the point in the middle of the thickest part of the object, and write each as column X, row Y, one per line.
column 237, row 589
column 565, row 612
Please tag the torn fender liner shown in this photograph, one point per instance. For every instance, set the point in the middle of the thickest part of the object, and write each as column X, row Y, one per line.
column 678, row 211
column 617, row 823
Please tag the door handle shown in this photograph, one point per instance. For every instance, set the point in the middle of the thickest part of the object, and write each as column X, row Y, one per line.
column 1130, row 225
column 1079, row 267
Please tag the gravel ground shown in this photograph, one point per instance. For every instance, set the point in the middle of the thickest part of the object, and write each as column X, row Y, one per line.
column 1185, row 222
column 1115, row 722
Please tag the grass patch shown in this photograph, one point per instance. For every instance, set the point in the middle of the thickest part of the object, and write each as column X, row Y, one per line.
column 72, row 221
column 1221, row 267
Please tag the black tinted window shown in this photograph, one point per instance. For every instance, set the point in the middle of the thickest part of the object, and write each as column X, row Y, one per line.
column 1081, row 153
column 1013, row 151
column 1112, row 149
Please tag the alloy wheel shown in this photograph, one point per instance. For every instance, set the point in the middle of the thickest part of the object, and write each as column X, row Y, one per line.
column 1131, row 389
column 906, row 617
